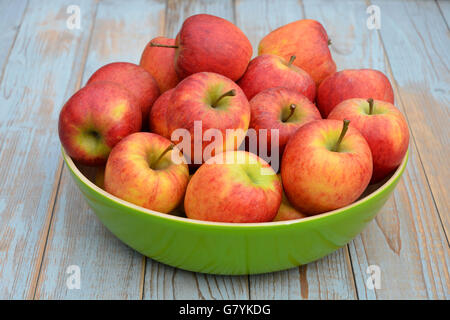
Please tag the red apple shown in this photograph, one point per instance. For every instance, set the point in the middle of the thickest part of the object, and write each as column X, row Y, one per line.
column 353, row 83
column 384, row 128
column 325, row 166
column 95, row 118
column 157, row 119
column 141, row 170
column 282, row 109
column 287, row 211
column 308, row 41
column 235, row 186
column 134, row 78
column 159, row 62
column 213, row 102
column 269, row 71
column 212, row 44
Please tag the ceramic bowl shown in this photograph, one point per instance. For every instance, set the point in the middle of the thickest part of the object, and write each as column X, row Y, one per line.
column 232, row 248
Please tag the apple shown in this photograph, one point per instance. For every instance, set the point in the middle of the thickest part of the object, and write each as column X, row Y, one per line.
column 95, row 119
column 157, row 119
column 268, row 71
column 308, row 41
column 383, row 126
column 326, row 165
column 212, row 44
column 141, row 170
column 213, row 102
column 353, row 83
column 134, row 78
column 283, row 109
column 235, row 186
column 287, row 211
column 159, row 62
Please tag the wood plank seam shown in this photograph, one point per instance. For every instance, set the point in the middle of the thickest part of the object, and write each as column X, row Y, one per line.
column 13, row 43
column 413, row 140
column 48, row 224
column 60, row 170
column 349, row 262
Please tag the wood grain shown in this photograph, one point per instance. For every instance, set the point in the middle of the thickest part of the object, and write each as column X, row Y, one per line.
column 109, row 269
column 43, row 66
column 444, row 6
column 163, row 282
column 396, row 240
column 256, row 19
column 12, row 16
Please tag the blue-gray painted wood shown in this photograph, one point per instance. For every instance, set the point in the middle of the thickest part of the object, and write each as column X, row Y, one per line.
column 42, row 69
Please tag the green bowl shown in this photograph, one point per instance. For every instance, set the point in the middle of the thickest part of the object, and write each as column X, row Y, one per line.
column 232, row 248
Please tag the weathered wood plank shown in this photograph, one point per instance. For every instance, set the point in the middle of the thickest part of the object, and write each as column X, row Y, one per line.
column 43, row 66
column 444, row 6
column 406, row 239
column 417, row 41
column 163, row 282
column 109, row 269
column 11, row 14
column 328, row 278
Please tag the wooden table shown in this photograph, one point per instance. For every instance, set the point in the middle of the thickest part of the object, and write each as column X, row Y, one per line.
column 46, row 226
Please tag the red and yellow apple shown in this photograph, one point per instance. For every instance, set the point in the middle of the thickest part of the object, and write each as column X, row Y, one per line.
column 353, row 83
column 326, row 165
column 383, row 126
column 95, row 119
column 159, row 62
column 213, row 102
column 287, row 211
column 308, row 41
column 281, row 109
column 206, row 43
column 269, row 71
column 141, row 170
column 235, row 186
column 134, row 78
column 157, row 121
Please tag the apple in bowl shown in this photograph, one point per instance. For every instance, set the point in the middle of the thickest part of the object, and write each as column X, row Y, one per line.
column 326, row 165
column 282, row 109
column 269, row 71
column 235, row 186
column 95, row 119
column 353, row 83
column 135, row 79
column 206, row 43
column 145, row 169
column 383, row 126
column 207, row 102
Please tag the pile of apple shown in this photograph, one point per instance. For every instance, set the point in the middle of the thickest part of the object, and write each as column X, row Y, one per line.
column 337, row 131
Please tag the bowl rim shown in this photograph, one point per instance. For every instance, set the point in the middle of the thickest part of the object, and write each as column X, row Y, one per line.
column 74, row 169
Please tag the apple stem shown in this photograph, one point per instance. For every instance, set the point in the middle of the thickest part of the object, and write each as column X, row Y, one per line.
column 170, row 147
column 230, row 93
column 152, row 44
column 343, row 132
column 329, row 42
column 371, row 106
column 292, row 108
column 291, row 60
